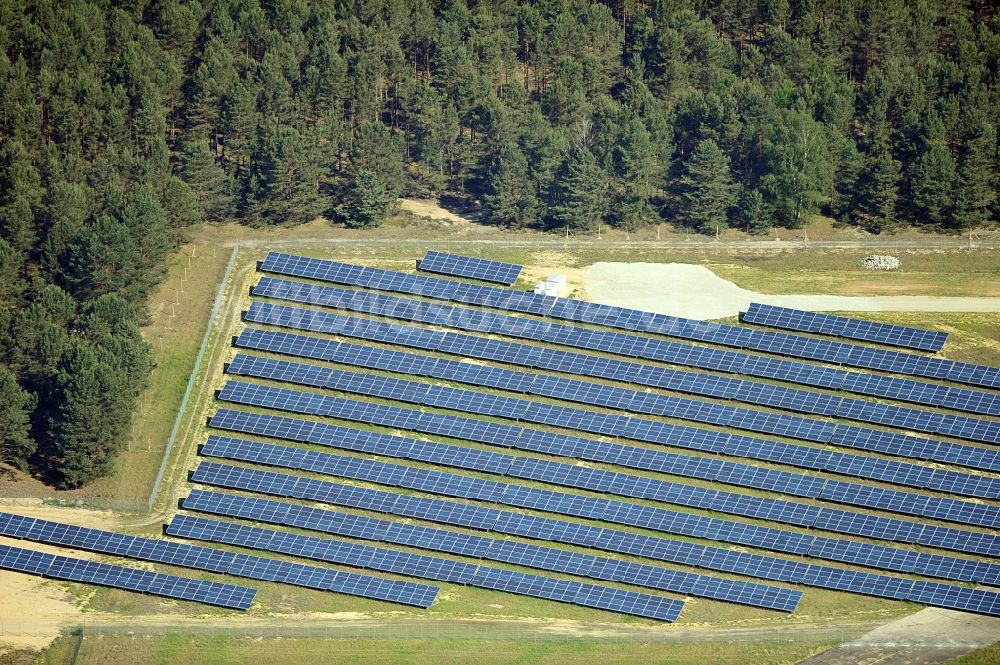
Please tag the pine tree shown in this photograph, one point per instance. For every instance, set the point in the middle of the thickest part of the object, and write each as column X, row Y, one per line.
column 91, row 404
column 877, row 189
column 977, row 177
column 511, row 201
column 282, row 184
column 635, row 167
column 707, row 191
column 16, row 405
column 754, row 213
column 212, row 187
column 932, row 183
column 580, row 193
column 367, row 200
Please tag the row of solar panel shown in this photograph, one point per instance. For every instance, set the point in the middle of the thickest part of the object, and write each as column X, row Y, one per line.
column 549, row 443
column 469, row 266
column 347, row 524
column 842, row 326
column 390, row 445
column 575, row 533
column 417, row 565
column 631, row 428
column 720, row 360
column 216, row 561
column 493, row 549
column 105, row 574
column 504, row 551
column 616, row 317
column 598, row 394
column 803, row 515
column 962, row 512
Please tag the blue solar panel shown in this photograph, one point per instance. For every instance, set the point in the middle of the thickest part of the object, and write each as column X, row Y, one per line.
column 534, row 556
column 170, row 586
column 389, row 560
column 442, row 483
column 607, row 424
column 840, row 326
column 673, row 352
column 468, row 266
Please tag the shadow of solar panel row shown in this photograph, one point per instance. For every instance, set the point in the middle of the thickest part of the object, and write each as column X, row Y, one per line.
column 493, row 549
column 417, row 565
column 719, row 360
column 542, row 528
column 216, row 561
column 659, row 519
column 105, row 574
column 634, row 401
column 390, row 445
column 842, row 326
column 632, row 428
column 469, row 266
column 616, row 317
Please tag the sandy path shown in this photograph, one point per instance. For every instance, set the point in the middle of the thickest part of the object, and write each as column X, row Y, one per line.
column 931, row 636
column 696, row 292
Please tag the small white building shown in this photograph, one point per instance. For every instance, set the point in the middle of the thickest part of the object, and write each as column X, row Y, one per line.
column 552, row 285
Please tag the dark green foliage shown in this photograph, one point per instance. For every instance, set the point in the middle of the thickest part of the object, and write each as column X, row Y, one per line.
column 580, row 193
column 90, row 409
column 124, row 126
column 16, row 405
column 706, row 190
column 367, row 200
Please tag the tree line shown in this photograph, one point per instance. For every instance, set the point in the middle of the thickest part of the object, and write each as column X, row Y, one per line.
column 123, row 125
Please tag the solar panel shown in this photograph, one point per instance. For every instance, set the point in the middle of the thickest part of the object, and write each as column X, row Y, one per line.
column 573, row 533
column 640, row 347
column 159, row 584
column 781, row 343
column 205, row 558
column 634, row 428
column 396, row 561
column 545, row 558
column 469, row 266
column 452, row 485
column 841, row 326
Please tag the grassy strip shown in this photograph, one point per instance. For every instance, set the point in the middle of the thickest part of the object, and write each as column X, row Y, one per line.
column 223, row 649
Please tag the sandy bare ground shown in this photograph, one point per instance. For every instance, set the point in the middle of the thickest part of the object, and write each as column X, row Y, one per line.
column 696, row 292
column 430, row 210
column 33, row 609
column 930, row 637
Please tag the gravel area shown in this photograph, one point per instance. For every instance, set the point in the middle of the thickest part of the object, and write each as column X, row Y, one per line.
column 696, row 292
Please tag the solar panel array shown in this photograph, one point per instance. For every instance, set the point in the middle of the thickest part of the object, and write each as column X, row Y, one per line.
column 660, row 519
column 636, row 346
column 216, row 561
column 470, row 266
column 445, row 570
column 59, row 567
column 493, row 549
column 497, row 420
column 842, row 326
column 606, row 424
column 627, row 319
column 634, row 401
column 541, row 528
